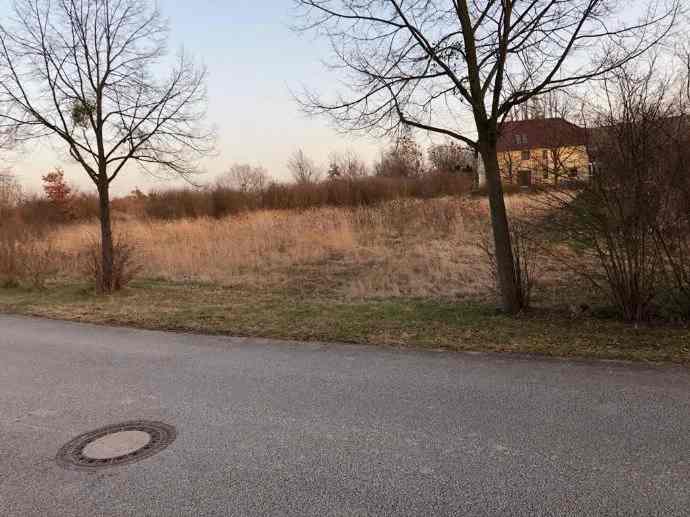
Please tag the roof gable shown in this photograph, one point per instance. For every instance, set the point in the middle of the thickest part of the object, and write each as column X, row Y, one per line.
column 539, row 133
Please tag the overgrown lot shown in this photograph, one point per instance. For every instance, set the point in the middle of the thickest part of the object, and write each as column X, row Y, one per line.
column 407, row 272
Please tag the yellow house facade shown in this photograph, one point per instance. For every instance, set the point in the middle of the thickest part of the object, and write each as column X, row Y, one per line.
column 542, row 151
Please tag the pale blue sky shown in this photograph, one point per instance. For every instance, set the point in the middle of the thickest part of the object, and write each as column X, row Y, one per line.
column 253, row 59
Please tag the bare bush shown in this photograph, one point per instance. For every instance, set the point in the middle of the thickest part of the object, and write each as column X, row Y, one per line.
column 404, row 160
column 10, row 259
column 616, row 234
column 41, row 261
column 220, row 201
column 125, row 266
column 27, row 256
column 525, row 254
column 629, row 220
column 674, row 244
column 672, row 225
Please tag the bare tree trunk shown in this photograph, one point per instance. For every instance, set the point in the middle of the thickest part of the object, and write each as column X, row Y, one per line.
column 106, row 267
column 505, row 266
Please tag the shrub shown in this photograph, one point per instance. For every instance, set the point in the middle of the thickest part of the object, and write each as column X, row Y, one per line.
column 26, row 255
column 404, row 160
column 11, row 241
column 41, row 262
column 125, row 267
column 221, row 200
column 178, row 204
column 525, row 244
column 39, row 212
column 56, row 188
column 631, row 220
column 82, row 207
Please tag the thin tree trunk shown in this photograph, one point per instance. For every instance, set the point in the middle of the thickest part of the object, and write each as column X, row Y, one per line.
column 106, row 266
column 505, row 266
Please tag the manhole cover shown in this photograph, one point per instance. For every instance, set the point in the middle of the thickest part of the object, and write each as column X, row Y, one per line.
column 116, row 445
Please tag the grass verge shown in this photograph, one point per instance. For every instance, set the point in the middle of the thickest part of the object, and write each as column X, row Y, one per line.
column 445, row 324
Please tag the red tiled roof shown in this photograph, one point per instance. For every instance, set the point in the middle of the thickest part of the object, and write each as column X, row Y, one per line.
column 539, row 133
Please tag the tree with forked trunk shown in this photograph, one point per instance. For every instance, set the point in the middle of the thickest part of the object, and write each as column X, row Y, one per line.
column 429, row 64
column 86, row 73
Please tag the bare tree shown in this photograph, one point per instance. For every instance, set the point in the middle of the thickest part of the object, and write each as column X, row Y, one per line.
column 346, row 165
column 244, row 178
column 429, row 63
column 85, row 72
column 10, row 190
column 303, row 168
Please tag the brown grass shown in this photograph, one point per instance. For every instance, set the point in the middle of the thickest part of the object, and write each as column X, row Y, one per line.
column 401, row 248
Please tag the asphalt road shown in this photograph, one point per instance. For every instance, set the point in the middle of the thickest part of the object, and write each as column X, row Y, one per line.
column 271, row 428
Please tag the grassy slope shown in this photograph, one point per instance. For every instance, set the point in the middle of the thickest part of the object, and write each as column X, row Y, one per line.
column 407, row 322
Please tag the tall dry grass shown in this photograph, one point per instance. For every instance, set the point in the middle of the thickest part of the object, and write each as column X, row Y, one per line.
column 401, row 248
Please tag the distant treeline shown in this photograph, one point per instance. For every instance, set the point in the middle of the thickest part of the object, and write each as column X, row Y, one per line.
column 402, row 172
column 220, row 201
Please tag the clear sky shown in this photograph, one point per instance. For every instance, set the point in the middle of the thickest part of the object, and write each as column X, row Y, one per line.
column 254, row 59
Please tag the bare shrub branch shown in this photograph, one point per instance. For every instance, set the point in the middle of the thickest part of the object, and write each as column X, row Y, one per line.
column 632, row 221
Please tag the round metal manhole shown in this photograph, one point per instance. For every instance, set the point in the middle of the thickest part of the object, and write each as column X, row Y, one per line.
column 116, row 445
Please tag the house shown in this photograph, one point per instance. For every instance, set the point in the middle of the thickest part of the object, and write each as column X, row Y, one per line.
column 542, row 151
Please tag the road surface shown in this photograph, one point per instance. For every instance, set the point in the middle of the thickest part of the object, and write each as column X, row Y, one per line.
column 273, row 428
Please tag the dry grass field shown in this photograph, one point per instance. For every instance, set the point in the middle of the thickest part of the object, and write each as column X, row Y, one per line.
column 407, row 272
column 402, row 248
column 405, row 248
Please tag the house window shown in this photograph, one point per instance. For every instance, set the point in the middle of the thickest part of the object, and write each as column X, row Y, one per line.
column 545, row 154
column 524, row 139
column 526, row 154
column 518, row 139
